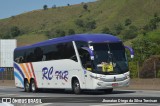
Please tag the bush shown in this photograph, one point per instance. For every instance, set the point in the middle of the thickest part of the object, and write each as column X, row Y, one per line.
column 91, row 24
column 118, row 28
column 127, row 22
column 106, row 30
column 79, row 23
column 133, row 69
column 87, row 24
column 71, row 32
column 131, row 33
column 60, row 32
column 55, row 33
column 158, row 74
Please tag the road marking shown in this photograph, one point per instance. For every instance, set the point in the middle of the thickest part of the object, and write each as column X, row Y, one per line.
column 4, row 87
column 151, row 104
column 138, row 90
column 114, row 104
column 121, row 104
column 44, row 104
column 4, row 94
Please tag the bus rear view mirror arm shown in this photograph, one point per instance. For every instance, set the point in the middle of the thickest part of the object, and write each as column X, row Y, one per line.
column 131, row 51
column 90, row 52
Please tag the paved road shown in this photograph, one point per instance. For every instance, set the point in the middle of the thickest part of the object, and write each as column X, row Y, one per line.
column 78, row 100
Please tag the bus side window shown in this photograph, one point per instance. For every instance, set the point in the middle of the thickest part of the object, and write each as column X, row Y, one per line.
column 21, row 59
column 38, row 53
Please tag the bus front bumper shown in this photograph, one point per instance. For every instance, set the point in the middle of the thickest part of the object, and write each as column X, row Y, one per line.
column 107, row 85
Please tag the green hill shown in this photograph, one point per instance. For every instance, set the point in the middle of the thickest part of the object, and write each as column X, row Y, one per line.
column 100, row 14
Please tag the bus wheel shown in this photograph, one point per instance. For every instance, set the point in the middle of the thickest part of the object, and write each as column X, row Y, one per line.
column 26, row 86
column 76, row 87
column 33, row 86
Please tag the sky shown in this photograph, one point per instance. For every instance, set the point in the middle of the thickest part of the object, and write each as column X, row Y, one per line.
column 10, row 8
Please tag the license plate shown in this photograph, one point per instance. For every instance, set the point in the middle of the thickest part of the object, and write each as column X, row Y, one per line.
column 115, row 84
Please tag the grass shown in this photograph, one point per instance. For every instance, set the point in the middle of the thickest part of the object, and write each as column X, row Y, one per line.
column 30, row 39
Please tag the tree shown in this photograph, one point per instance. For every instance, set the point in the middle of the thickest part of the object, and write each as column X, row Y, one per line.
column 71, row 32
column 153, row 24
column 85, row 6
column 14, row 31
column 68, row 4
column 54, row 6
column 144, row 47
column 45, row 7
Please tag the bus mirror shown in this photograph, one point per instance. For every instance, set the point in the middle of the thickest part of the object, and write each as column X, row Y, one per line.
column 132, row 56
column 131, row 51
column 89, row 51
column 92, row 57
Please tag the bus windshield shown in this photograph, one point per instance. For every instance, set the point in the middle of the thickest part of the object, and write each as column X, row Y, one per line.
column 109, row 58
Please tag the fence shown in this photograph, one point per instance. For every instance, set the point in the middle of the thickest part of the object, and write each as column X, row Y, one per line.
column 145, row 70
column 7, row 74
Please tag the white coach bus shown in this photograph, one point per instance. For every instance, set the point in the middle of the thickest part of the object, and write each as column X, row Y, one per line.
column 78, row 62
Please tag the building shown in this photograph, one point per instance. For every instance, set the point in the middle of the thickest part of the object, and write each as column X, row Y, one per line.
column 7, row 47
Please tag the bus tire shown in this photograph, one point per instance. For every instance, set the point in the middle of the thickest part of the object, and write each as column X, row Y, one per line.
column 33, row 86
column 26, row 86
column 76, row 87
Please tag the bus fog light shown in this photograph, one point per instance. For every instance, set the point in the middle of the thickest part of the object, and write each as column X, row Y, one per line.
column 127, row 77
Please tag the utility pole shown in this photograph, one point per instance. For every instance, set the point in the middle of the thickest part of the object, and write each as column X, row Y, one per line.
column 155, row 69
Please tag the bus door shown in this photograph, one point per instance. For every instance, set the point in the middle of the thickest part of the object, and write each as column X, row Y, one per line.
column 87, row 66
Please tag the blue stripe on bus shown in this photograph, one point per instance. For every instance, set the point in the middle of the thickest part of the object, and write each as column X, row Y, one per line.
column 18, row 68
column 20, row 79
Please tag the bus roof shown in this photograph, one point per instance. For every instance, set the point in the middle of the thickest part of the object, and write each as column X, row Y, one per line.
column 94, row 38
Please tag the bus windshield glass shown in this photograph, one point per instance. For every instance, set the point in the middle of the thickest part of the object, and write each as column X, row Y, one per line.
column 109, row 58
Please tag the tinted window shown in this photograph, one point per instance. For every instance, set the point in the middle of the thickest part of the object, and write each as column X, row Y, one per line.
column 47, row 52
column 59, row 51
column 80, row 44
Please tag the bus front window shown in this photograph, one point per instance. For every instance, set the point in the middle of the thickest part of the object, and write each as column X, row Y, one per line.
column 109, row 58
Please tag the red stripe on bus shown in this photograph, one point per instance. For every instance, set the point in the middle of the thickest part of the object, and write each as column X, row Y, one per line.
column 33, row 74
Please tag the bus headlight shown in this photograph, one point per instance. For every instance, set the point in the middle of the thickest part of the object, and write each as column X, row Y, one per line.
column 95, row 77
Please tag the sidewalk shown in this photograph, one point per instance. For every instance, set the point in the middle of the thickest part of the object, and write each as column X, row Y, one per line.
column 7, row 83
column 144, row 84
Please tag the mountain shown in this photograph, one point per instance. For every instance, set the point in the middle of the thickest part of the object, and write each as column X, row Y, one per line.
column 97, row 17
